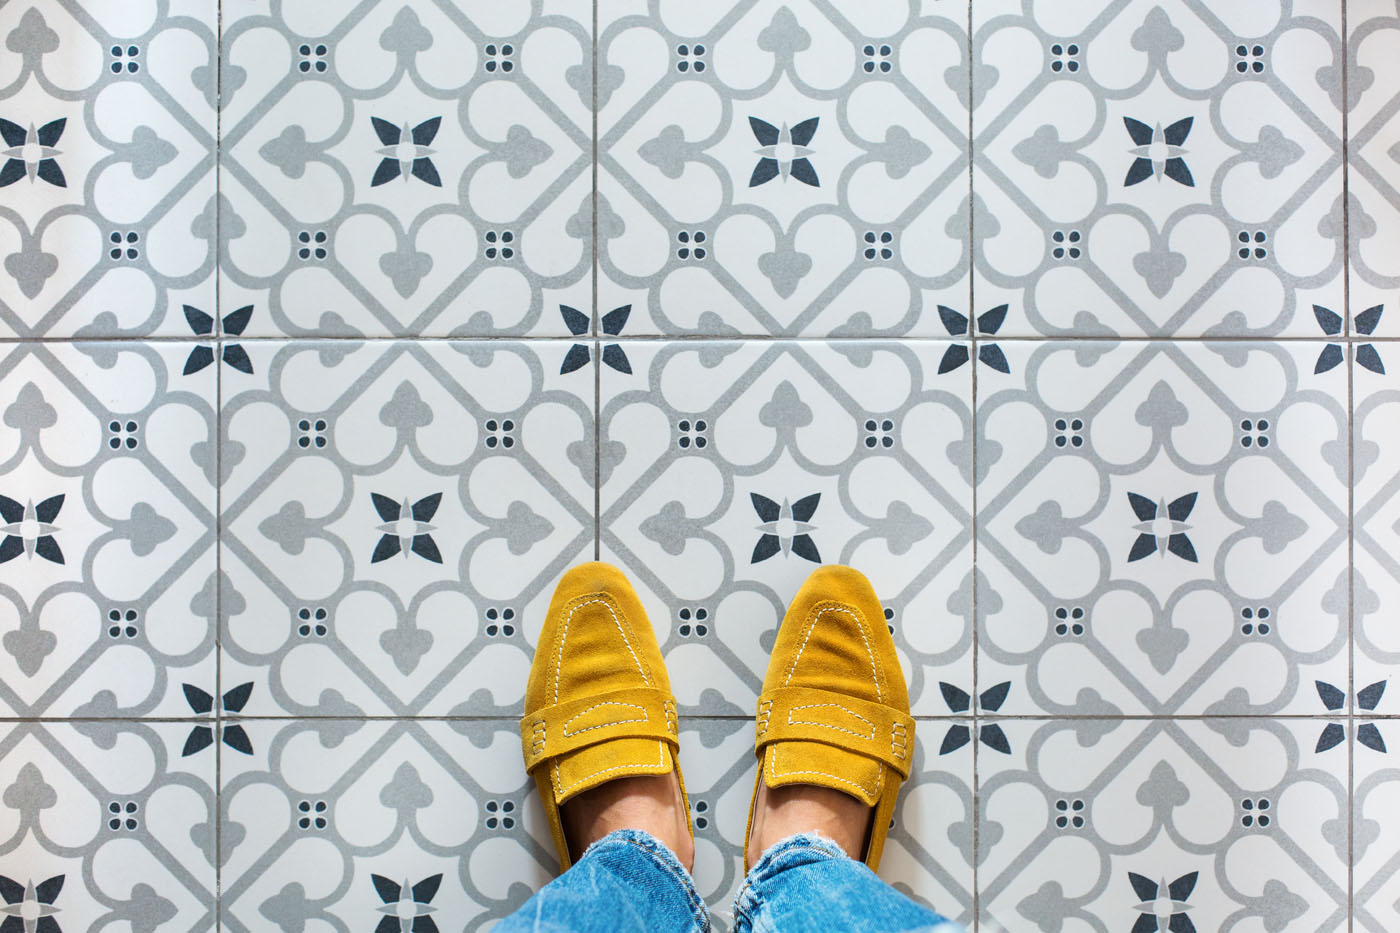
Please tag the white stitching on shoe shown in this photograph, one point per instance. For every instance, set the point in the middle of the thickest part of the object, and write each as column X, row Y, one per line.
column 604, row 725
column 560, row 791
column 774, row 773
column 898, row 741
column 765, row 710
column 827, row 725
column 537, row 738
column 559, row 649
column 860, row 626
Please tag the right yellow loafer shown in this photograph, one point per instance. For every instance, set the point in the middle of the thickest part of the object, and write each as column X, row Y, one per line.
column 834, row 710
column 598, row 703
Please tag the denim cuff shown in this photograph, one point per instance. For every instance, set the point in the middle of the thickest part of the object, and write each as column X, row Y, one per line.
column 661, row 854
column 805, row 849
column 801, row 847
column 809, row 841
column 653, row 846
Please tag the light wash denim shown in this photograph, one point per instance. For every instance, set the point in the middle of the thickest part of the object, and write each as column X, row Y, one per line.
column 628, row 882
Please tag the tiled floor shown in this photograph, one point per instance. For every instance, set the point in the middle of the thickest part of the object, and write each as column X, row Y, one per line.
column 333, row 332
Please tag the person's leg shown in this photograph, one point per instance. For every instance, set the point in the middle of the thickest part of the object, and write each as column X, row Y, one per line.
column 599, row 737
column 802, row 878
column 628, row 882
column 632, row 855
column 807, row 883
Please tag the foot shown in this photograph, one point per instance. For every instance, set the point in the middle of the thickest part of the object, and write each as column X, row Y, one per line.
column 780, row 812
column 649, row 802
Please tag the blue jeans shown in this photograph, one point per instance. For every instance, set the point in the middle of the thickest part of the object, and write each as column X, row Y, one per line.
column 628, row 881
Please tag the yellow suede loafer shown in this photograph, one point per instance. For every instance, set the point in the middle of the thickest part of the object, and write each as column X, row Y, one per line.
column 598, row 703
column 834, row 711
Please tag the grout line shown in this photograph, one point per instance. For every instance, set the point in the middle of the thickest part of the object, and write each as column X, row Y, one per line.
column 597, row 345
column 1351, row 482
column 1256, row 339
column 597, row 450
column 218, row 815
column 972, row 351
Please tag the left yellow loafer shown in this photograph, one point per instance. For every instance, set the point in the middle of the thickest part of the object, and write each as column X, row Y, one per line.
column 598, row 703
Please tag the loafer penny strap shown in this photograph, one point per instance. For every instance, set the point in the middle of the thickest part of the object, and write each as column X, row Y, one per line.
column 632, row 713
column 862, row 726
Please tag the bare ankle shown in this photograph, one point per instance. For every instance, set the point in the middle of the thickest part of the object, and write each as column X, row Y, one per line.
column 781, row 812
column 647, row 802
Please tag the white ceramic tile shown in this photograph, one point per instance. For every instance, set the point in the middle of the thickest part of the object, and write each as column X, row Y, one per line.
column 1162, row 527
column 1374, row 841
column 1376, row 517
column 1131, row 825
column 406, row 169
column 105, row 824
column 107, row 554
column 732, row 470
column 1165, row 169
column 332, row 821
column 396, row 516
column 1373, row 150
column 788, row 169
column 107, row 177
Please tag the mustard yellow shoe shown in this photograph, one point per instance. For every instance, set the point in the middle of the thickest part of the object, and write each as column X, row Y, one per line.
column 834, row 711
column 598, row 704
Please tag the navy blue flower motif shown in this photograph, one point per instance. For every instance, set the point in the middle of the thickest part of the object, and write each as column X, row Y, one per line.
column 30, row 153
column 203, row 326
column 1331, row 323
column 1159, row 152
column 783, row 152
column 1163, row 906
column 785, row 528
column 1162, row 527
column 406, row 152
column 406, row 528
column 1334, row 733
column 234, row 736
column 960, row 701
column 405, row 908
column 957, row 325
column 1366, row 354
column 28, row 908
column 579, row 354
column 29, row 529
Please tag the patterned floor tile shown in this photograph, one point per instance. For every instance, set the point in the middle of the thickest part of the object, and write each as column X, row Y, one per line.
column 396, row 516
column 1376, row 511
column 409, row 168
column 345, row 822
column 341, row 820
column 1152, row 825
column 107, row 183
column 106, row 529
column 1169, row 169
column 772, row 168
column 1162, row 527
column 104, row 825
column 284, row 661
column 1373, row 140
column 731, row 470
column 719, row 766
column 928, row 854
column 1375, row 836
